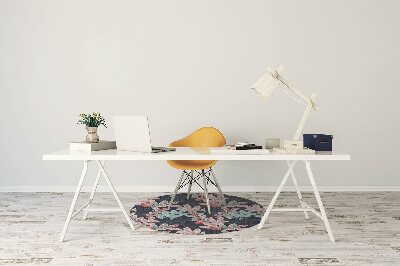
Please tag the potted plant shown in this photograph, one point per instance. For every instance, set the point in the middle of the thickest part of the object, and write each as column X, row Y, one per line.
column 92, row 121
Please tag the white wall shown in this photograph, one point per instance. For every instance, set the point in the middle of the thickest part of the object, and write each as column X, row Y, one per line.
column 188, row 64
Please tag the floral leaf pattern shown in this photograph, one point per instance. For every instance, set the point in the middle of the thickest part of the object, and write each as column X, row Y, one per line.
column 190, row 216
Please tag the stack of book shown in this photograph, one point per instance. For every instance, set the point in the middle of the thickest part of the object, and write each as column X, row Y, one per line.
column 98, row 146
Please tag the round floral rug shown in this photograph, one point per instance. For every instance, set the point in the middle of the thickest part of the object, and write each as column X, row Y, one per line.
column 191, row 216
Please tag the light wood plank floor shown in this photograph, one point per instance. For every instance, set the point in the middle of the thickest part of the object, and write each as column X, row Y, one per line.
column 366, row 226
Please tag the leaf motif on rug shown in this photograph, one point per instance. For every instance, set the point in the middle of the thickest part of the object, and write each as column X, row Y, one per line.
column 190, row 216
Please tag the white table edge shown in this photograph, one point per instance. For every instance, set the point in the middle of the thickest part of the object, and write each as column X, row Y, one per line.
column 114, row 155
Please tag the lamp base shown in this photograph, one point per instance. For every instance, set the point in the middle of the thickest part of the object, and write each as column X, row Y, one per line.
column 293, row 151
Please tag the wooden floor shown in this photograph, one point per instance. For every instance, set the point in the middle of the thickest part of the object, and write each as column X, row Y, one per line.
column 366, row 226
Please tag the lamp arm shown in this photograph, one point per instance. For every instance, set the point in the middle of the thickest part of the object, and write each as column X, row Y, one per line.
column 309, row 102
column 297, row 92
column 310, row 105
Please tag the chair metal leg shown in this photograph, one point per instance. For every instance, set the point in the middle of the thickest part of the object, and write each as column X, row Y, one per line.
column 320, row 205
column 96, row 182
column 191, row 178
column 218, row 186
column 206, row 190
column 176, row 189
column 190, row 184
column 298, row 191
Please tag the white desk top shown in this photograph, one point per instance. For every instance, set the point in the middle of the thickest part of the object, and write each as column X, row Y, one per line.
column 189, row 154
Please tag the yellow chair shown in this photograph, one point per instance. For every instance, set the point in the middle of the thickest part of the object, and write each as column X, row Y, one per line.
column 193, row 170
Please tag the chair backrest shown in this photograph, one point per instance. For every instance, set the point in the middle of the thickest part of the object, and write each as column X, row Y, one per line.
column 203, row 137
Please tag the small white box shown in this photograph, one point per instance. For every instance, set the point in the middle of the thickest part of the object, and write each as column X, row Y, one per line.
column 293, row 144
column 271, row 143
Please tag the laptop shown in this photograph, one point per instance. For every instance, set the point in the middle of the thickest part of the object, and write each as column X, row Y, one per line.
column 132, row 133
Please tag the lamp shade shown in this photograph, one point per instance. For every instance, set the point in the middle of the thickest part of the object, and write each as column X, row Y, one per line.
column 267, row 84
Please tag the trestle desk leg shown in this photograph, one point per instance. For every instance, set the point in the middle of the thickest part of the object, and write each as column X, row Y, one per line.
column 96, row 182
column 128, row 219
column 320, row 205
column 271, row 205
column 71, row 209
column 298, row 191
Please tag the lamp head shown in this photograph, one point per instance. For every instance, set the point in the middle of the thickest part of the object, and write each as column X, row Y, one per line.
column 267, row 84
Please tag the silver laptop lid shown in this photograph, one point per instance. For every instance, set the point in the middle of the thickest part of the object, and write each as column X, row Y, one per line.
column 132, row 133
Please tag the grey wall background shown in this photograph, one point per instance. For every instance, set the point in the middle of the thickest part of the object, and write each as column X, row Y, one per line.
column 188, row 64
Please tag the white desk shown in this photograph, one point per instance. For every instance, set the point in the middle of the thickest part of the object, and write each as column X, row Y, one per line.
column 100, row 157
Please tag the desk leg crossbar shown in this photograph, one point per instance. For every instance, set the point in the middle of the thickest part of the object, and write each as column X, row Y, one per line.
column 305, row 207
column 86, row 207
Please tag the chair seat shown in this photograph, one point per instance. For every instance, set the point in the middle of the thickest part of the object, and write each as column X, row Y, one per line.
column 191, row 164
column 203, row 137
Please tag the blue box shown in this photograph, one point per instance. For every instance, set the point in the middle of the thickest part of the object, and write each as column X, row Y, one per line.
column 318, row 142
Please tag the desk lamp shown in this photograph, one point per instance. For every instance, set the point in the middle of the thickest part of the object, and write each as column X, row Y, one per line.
column 266, row 86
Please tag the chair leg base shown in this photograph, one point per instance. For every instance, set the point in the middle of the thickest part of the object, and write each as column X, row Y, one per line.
column 193, row 176
column 190, row 185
